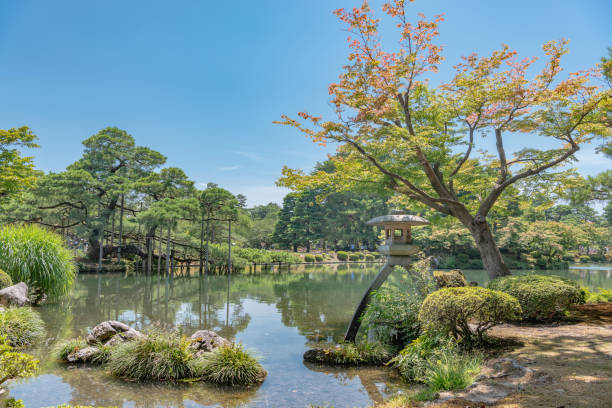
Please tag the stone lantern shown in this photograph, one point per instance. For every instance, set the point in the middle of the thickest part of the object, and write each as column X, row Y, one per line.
column 397, row 247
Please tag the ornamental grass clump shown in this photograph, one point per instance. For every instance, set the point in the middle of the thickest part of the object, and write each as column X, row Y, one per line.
column 21, row 326
column 452, row 310
column 158, row 357
column 542, row 298
column 64, row 349
column 38, row 257
column 228, row 365
column 361, row 353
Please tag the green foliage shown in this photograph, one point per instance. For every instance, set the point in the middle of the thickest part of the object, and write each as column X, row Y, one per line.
column 449, row 279
column 21, row 326
column 230, row 365
column 360, row 353
column 309, row 258
column 369, row 258
column 342, row 255
column 16, row 172
column 354, row 257
column 541, row 297
column 37, row 256
column 450, row 310
column 14, row 364
column 158, row 357
column 14, row 403
column 392, row 316
column 598, row 296
column 65, row 348
column 319, row 258
column 452, row 371
column 5, row 280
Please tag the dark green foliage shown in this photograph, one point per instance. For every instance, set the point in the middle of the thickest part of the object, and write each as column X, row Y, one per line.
column 361, row 353
column 309, row 258
column 449, row 310
column 158, row 357
column 541, row 297
column 342, row 255
column 21, row 326
column 5, row 280
column 449, row 279
column 369, row 258
column 38, row 257
column 228, row 366
column 319, row 258
column 392, row 316
column 354, row 257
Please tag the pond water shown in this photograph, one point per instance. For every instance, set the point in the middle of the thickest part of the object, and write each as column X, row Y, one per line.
column 277, row 314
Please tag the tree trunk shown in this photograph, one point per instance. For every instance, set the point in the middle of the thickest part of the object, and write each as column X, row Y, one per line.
column 149, row 254
column 120, row 228
column 168, row 255
column 229, row 247
column 489, row 252
column 159, row 255
column 207, row 241
column 201, row 243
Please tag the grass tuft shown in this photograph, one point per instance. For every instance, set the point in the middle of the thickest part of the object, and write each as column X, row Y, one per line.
column 231, row 365
column 21, row 326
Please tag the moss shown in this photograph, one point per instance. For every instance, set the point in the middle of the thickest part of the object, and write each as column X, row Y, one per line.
column 22, row 326
column 5, row 280
column 542, row 298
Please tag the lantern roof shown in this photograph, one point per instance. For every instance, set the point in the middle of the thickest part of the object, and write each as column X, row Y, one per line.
column 398, row 219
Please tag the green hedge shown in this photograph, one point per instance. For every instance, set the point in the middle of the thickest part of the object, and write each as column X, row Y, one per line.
column 354, row 257
column 542, row 298
column 309, row 258
column 451, row 309
column 369, row 258
column 319, row 258
column 342, row 255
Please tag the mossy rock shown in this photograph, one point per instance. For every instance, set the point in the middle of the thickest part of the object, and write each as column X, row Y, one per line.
column 450, row 279
column 5, row 280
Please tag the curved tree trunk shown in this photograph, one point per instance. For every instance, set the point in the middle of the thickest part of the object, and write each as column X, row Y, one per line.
column 489, row 251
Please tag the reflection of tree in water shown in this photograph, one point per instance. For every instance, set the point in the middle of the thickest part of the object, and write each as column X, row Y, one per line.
column 90, row 386
column 320, row 305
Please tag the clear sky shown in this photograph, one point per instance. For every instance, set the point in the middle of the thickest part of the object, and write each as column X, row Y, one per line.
column 202, row 81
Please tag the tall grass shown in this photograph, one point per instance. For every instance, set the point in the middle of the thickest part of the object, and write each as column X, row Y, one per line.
column 230, row 365
column 21, row 326
column 38, row 257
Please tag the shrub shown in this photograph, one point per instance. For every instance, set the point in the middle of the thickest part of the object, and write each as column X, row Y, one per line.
column 452, row 371
column 361, row 255
column 392, row 316
column 475, row 264
column 158, row 356
column 353, row 257
column 462, row 260
column 21, row 326
column 5, row 280
column 362, row 353
column 541, row 297
column 369, row 258
column 309, row 258
column 451, row 310
column 448, row 262
column 342, row 255
column 14, row 364
column 38, row 257
column 584, row 259
column 319, row 258
column 228, row 365
column 449, row 279
column 600, row 295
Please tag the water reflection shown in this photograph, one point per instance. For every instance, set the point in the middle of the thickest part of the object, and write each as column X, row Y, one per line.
column 276, row 313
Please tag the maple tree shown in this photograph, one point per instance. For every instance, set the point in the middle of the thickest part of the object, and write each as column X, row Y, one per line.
column 397, row 132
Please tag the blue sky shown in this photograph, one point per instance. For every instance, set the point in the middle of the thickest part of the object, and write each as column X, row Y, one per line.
column 202, row 81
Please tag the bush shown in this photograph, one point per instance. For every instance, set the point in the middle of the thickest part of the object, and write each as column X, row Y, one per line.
column 361, row 255
column 5, row 280
column 319, row 258
column 450, row 310
column 376, row 255
column 38, row 257
column 354, row 257
column 342, row 255
column 362, row 353
column 448, row 262
column 541, row 297
column 449, row 279
column 159, row 357
column 14, row 364
column 64, row 349
column 584, row 259
column 21, row 326
column 475, row 264
column 392, row 316
column 462, row 260
column 230, row 365
column 309, row 258
column 600, row 295
column 369, row 258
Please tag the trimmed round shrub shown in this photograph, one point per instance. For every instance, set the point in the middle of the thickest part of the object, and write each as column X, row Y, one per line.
column 354, row 257
column 450, row 310
column 361, row 255
column 319, row 258
column 584, row 259
column 228, row 365
column 369, row 258
column 5, row 280
column 158, row 356
column 542, row 298
column 376, row 255
column 38, row 257
column 342, row 255
column 309, row 258
column 21, row 326
column 449, row 279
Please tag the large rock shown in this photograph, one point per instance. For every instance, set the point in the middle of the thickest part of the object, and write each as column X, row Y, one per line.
column 83, row 355
column 106, row 331
column 129, row 335
column 204, row 341
column 16, row 295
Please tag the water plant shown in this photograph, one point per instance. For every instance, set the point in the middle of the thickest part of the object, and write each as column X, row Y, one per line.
column 360, row 353
column 38, row 257
column 229, row 365
column 21, row 326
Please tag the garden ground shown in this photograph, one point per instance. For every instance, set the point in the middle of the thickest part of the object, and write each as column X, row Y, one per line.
column 572, row 362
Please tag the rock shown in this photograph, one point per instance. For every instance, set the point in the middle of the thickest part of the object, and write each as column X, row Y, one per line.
column 204, row 341
column 83, row 355
column 108, row 330
column 16, row 295
column 315, row 355
column 119, row 338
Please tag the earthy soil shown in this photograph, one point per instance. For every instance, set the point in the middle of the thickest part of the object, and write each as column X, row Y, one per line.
column 571, row 361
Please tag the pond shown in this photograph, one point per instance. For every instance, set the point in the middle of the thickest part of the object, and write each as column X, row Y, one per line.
column 277, row 314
